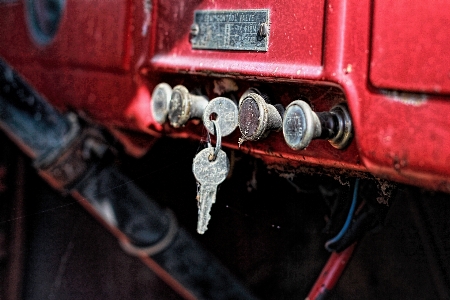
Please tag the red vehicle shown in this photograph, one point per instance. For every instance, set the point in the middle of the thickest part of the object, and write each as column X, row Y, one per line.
column 305, row 123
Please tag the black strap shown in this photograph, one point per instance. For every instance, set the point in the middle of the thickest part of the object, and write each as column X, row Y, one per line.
column 68, row 156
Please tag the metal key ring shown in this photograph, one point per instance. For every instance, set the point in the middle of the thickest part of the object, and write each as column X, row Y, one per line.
column 218, row 140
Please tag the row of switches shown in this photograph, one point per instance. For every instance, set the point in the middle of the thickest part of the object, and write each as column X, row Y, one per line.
column 256, row 117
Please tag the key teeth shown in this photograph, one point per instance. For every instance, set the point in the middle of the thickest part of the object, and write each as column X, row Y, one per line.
column 203, row 225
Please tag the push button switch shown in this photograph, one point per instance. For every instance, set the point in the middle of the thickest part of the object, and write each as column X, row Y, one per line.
column 160, row 102
column 301, row 125
column 184, row 106
column 257, row 118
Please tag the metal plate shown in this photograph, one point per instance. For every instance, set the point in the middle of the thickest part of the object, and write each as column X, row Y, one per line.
column 231, row 29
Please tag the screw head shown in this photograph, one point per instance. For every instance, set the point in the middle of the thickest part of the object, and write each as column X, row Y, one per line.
column 195, row 29
column 263, row 30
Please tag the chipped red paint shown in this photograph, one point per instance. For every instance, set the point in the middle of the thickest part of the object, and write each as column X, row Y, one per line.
column 105, row 63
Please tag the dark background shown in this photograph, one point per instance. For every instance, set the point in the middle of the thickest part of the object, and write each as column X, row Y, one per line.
column 266, row 229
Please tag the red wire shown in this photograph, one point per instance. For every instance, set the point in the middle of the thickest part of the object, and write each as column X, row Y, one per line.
column 331, row 273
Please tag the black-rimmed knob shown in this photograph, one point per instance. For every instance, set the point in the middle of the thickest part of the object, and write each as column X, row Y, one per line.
column 257, row 118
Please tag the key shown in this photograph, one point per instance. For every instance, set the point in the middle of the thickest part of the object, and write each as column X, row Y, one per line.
column 225, row 112
column 209, row 174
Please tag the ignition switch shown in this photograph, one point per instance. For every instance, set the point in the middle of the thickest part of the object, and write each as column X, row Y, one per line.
column 184, row 106
column 301, row 125
column 257, row 118
column 160, row 102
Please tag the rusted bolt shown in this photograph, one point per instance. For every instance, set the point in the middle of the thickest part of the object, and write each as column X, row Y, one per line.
column 263, row 30
column 194, row 29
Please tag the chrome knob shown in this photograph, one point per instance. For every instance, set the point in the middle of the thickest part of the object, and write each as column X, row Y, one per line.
column 160, row 102
column 184, row 106
column 301, row 125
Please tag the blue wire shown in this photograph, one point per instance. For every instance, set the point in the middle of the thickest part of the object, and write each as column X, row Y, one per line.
column 349, row 218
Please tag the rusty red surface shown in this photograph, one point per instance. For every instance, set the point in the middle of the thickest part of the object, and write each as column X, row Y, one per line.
column 108, row 56
column 410, row 46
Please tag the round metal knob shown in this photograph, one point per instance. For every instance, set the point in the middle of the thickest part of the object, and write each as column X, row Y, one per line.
column 160, row 102
column 184, row 106
column 301, row 125
column 257, row 118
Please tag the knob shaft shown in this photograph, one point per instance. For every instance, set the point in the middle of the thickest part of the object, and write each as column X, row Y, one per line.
column 344, row 133
column 184, row 106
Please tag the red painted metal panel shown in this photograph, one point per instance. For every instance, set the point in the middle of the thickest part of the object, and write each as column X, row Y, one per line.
column 92, row 34
column 295, row 44
column 410, row 46
column 398, row 136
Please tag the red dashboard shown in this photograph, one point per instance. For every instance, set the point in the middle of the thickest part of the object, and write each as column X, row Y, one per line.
column 105, row 58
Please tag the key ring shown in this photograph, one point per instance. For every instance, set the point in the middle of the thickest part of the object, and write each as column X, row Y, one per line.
column 218, row 141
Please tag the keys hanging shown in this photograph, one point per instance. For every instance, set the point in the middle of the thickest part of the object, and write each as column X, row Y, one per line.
column 210, row 168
